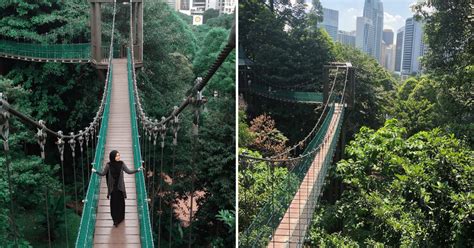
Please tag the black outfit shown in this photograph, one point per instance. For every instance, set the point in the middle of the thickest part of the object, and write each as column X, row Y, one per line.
column 116, row 186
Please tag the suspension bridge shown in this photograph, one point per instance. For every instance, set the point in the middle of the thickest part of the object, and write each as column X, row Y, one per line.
column 285, row 218
column 120, row 123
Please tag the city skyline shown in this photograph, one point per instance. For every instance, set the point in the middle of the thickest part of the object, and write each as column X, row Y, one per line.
column 395, row 12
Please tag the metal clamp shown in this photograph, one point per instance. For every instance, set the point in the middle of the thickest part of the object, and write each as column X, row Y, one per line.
column 4, row 125
column 41, row 136
column 175, row 122
column 60, row 143
column 72, row 144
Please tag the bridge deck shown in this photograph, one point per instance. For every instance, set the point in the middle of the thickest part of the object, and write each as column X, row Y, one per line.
column 119, row 137
column 293, row 227
column 286, row 95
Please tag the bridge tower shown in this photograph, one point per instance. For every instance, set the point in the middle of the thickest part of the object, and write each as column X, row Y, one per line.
column 350, row 91
column 349, row 102
column 99, row 57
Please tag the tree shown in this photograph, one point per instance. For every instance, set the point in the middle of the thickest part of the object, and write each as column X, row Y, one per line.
column 416, row 105
column 267, row 139
column 449, row 36
column 209, row 14
column 373, row 89
column 289, row 52
column 401, row 191
column 45, row 21
column 246, row 136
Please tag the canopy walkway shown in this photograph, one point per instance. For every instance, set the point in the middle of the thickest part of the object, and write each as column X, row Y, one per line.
column 284, row 219
column 119, row 137
column 65, row 53
column 293, row 227
column 286, row 95
column 120, row 123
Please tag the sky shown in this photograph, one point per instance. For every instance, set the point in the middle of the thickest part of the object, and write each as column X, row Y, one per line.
column 395, row 12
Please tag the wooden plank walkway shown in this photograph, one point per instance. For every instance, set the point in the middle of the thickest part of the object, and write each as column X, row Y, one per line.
column 119, row 137
column 38, row 59
column 293, row 227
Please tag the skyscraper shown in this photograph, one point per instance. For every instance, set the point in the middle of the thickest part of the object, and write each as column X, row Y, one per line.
column 364, row 32
column 388, row 54
column 346, row 38
column 399, row 49
column 369, row 28
column 330, row 22
column 387, row 37
column 190, row 7
column 413, row 47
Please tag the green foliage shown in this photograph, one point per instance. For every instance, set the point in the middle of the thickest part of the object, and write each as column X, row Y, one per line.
column 265, row 192
column 216, row 169
column 209, row 14
column 289, row 52
column 284, row 57
column 52, row 95
column 174, row 54
column 256, row 187
column 224, row 20
column 168, row 50
column 416, row 105
column 401, row 191
column 449, row 61
column 223, row 79
column 228, row 217
column 246, row 137
column 373, row 89
column 30, row 177
column 45, row 21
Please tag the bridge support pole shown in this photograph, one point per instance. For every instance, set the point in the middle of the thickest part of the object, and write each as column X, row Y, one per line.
column 137, row 24
column 139, row 32
column 96, row 32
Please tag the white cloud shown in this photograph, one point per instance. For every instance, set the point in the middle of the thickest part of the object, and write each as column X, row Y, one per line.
column 351, row 10
column 392, row 21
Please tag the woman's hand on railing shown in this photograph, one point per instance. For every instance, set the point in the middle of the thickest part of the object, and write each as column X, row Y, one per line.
column 93, row 170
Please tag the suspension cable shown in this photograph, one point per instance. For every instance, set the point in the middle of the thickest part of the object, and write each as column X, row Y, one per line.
column 301, row 156
column 317, row 123
column 200, row 84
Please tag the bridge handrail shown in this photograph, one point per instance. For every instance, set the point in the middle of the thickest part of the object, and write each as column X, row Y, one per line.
column 85, row 236
column 79, row 51
column 271, row 218
column 146, row 235
column 87, row 226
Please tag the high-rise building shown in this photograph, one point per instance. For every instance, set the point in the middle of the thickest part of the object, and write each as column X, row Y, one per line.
column 330, row 22
column 190, row 7
column 364, row 32
column 387, row 37
column 212, row 4
column 346, row 38
column 174, row 4
column 227, row 6
column 369, row 29
column 399, row 49
column 388, row 56
column 198, row 6
column 185, row 5
column 413, row 47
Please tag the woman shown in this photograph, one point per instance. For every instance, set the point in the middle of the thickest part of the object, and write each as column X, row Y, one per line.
column 116, row 185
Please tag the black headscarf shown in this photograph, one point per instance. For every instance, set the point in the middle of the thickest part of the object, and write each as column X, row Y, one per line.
column 115, row 166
